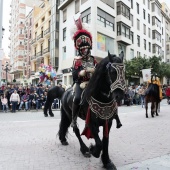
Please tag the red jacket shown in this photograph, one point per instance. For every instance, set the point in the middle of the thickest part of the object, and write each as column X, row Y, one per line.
column 168, row 92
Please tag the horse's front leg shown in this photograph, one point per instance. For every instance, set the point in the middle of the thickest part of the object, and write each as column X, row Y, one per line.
column 118, row 123
column 96, row 149
column 46, row 108
column 146, row 107
column 152, row 109
column 157, row 107
column 50, row 110
column 108, row 164
column 83, row 148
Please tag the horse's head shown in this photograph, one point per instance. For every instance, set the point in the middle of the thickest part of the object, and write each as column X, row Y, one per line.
column 115, row 77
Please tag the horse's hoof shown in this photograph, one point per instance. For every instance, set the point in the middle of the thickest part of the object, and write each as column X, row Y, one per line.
column 118, row 125
column 146, row 116
column 52, row 115
column 110, row 166
column 157, row 115
column 87, row 154
column 45, row 115
column 64, row 143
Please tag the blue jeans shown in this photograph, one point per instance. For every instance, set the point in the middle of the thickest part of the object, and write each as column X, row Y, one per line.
column 30, row 102
column 5, row 107
column 26, row 105
column 142, row 97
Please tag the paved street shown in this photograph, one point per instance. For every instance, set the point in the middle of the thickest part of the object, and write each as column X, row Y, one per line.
column 28, row 142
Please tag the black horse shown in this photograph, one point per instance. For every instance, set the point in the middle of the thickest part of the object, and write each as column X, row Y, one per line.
column 152, row 96
column 53, row 93
column 98, row 107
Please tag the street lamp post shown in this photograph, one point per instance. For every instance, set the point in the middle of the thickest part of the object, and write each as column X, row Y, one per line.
column 6, row 68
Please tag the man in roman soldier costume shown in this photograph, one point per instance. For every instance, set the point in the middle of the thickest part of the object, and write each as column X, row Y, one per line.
column 83, row 65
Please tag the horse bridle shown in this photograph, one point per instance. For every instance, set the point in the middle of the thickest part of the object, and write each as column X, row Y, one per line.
column 120, row 79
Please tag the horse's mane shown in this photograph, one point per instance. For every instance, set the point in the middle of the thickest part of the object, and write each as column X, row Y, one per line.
column 97, row 78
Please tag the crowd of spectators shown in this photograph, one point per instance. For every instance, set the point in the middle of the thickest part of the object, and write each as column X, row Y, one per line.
column 18, row 97
column 134, row 94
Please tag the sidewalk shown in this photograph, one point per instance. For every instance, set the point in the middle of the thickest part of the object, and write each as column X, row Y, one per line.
column 159, row 163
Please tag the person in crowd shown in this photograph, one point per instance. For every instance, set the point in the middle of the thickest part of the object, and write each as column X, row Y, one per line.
column 168, row 94
column 4, row 101
column 24, row 100
column 141, row 93
column 14, row 99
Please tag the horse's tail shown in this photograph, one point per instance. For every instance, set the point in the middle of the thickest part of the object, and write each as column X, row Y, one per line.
column 63, row 127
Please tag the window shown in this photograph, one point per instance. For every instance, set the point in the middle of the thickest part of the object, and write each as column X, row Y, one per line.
column 149, row 32
column 148, row 4
column 156, row 35
column 105, row 43
column 43, row 19
column 162, row 42
column 138, row 54
column 162, row 31
column 156, row 49
column 137, row 6
column 144, row 29
column 41, row 49
column 149, row 47
column 123, row 29
column 86, row 16
column 131, row 53
column 131, row 36
column 64, row 15
column 131, row 18
column 155, row 21
column 20, row 31
column 64, row 53
column 144, row 2
column 132, row 4
column 109, row 2
column 77, row 6
column 83, row 1
column 149, row 18
column 144, row 44
column 138, row 24
column 143, row 14
column 138, row 40
column 104, row 19
column 122, row 9
column 64, row 34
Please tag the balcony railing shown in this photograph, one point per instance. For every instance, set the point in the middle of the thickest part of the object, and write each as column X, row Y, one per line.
column 33, row 57
column 33, row 41
column 46, row 50
column 39, row 54
column 47, row 31
column 39, row 36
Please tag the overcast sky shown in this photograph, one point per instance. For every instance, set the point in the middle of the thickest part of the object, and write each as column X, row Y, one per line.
column 6, row 18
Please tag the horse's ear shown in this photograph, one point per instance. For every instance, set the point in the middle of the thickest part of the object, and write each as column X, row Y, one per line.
column 121, row 55
column 110, row 57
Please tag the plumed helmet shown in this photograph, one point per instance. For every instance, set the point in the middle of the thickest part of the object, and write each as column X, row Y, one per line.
column 82, row 37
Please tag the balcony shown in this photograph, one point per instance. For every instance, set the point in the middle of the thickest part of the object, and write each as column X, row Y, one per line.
column 47, row 32
column 40, row 37
column 39, row 54
column 33, row 41
column 33, row 57
column 64, row 3
column 46, row 51
column 124, row 40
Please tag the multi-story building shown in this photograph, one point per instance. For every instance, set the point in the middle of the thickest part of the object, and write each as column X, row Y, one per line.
column 27, row 46
column 40, row 45
column 132, row 26
column 17, row 51
column 166, row 32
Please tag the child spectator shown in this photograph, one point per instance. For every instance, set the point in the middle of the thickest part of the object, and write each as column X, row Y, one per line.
column 4, row 101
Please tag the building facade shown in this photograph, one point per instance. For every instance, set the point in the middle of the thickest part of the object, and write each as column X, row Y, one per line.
column 17, row 51
column 40, row 45
column 138, row 28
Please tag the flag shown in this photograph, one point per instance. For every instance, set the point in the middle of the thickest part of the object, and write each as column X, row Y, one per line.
column 146, row 74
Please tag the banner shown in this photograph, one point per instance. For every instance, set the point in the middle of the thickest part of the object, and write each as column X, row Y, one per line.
column 146, row 74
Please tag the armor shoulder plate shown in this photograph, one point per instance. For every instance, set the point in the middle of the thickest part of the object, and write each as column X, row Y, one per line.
column 77, row 62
